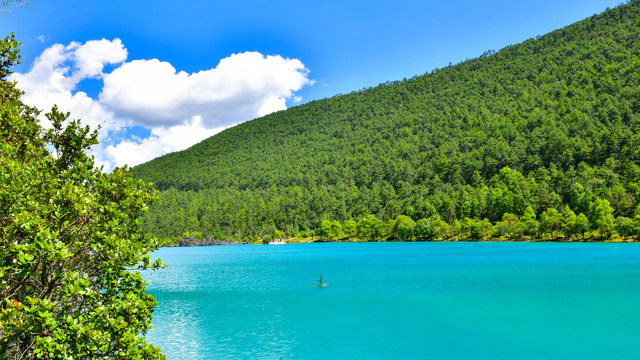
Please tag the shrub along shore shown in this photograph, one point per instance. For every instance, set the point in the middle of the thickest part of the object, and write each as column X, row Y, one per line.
column 552, row 225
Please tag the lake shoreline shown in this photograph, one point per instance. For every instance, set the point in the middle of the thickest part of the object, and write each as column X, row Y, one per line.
column 191, row 242
column 589, row 240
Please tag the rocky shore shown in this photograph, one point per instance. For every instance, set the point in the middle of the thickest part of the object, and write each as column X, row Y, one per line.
column 191, row 241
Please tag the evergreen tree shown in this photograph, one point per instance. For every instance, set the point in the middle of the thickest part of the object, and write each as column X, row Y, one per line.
column 582, row 225
column 569, row 222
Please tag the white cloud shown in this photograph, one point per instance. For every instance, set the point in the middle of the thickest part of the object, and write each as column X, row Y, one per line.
column 272, row 105
column 178, row 108
column 91, row 57
column 241, row 87
column 58, row 70
column 41, row 38
column 162, row 141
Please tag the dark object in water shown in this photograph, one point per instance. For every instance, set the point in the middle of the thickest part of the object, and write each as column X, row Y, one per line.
column 190, row 241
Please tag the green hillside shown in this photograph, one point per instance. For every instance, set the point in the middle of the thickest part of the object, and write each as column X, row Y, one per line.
column 550, row 123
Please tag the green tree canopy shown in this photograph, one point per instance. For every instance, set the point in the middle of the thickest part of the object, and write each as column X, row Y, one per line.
column 582, row 224
column 509, row 226
column 625, row 226
column 568, row 225
column 70, row 246
column 403, row 227
column 324, row 231
column 349, row 228
column 550, row 122
column 603, row 219
column 528, row 222
column 370, row 228
column 336, row 229
column 636, row 221
column 550, row 221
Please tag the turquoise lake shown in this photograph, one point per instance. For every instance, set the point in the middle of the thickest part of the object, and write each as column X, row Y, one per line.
column 399, row 301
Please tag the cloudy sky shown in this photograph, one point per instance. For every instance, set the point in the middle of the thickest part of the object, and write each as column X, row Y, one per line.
column 159, row 76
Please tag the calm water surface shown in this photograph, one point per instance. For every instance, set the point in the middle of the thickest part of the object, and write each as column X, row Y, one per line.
column 399, row 301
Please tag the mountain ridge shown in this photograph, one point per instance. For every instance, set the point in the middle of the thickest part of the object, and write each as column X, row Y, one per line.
column 565, row 104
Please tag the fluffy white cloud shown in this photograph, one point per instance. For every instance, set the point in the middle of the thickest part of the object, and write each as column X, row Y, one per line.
column 90, row 58
column 241, row 87
column 178, row 108
column 55, row 75
column 161, row 141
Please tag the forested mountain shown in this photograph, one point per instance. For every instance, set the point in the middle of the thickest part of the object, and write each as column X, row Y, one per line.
column 551, row 123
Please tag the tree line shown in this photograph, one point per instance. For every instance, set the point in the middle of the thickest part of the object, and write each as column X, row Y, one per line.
column 552, row 225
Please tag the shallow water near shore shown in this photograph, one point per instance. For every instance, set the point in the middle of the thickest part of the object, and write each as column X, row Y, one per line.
column 399, row 301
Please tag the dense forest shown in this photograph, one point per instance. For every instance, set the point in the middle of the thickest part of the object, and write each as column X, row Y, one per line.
column 537, row 139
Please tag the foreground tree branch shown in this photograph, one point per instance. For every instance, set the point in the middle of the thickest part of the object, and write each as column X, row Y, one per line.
column 71, row 247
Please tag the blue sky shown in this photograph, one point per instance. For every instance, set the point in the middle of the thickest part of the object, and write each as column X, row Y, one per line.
column 294, row 51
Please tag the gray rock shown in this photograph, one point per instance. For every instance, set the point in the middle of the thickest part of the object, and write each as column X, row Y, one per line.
column 191, row 241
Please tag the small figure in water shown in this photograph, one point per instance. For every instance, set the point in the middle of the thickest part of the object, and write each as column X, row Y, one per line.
column 322, row 283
